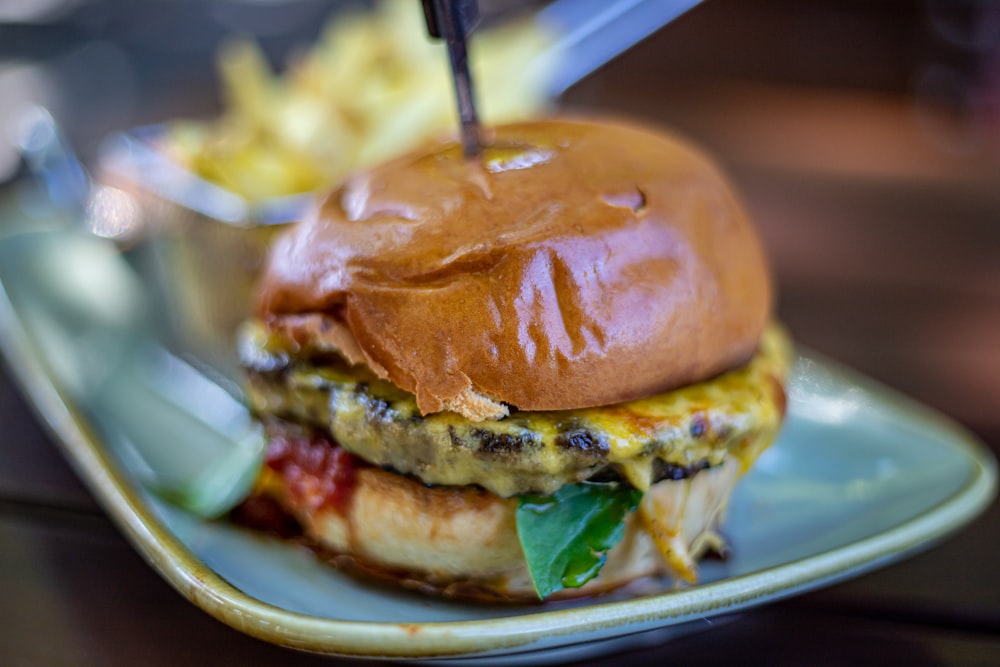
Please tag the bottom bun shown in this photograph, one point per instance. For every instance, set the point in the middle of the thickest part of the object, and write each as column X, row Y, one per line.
column 462, row 542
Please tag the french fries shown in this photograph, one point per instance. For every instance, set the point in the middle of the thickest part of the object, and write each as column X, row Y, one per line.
column 374, row 86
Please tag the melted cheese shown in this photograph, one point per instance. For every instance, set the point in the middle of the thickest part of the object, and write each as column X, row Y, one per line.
column 734, row 415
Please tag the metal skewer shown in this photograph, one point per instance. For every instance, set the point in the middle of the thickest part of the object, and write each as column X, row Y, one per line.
column 454, row 20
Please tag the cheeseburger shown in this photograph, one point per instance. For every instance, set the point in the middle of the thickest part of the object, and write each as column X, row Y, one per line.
column 537, row 373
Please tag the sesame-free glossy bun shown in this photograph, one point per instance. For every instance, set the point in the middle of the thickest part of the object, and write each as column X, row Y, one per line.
column 572, row 264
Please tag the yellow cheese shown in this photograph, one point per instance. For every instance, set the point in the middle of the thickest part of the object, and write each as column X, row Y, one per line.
column 734, row 415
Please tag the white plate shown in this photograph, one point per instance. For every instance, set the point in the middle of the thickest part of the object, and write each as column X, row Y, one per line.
column 859, row 477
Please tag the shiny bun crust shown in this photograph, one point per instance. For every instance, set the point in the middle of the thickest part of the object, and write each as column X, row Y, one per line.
column 574, row 264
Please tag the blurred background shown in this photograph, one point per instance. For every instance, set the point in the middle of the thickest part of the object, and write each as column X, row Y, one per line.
column 863, row 134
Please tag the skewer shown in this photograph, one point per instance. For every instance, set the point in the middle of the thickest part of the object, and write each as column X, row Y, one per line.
column 454, row 20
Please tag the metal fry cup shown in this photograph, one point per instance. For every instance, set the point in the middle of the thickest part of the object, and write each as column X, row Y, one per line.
column 200, row 246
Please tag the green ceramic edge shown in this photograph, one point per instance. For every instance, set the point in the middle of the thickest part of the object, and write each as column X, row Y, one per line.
column 120, row 498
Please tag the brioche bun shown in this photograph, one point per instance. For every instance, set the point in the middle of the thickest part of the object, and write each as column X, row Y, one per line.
column 575, row 264
column 462, row 542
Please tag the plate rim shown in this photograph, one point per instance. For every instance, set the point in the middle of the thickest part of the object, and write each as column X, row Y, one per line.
column 120, row 498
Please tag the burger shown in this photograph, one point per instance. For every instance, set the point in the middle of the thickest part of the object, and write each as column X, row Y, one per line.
column 533, row 374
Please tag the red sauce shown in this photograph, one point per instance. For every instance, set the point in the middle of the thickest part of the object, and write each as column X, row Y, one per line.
column 319, row 474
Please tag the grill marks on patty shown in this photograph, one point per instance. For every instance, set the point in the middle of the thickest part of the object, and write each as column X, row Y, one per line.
column 668, row 436
column 491, row 444
column 584, row 442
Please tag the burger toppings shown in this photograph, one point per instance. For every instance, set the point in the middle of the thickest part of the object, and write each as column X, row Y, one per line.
column 593, row 463
column 640, row 441
column 318, row 473
column 566, row 536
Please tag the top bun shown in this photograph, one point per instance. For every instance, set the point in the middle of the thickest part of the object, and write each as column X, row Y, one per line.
column 573, row 264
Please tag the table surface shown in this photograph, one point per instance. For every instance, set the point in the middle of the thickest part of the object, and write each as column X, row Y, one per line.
column 886, row 245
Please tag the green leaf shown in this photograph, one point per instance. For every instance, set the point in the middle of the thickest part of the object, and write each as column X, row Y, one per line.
column 566, row 536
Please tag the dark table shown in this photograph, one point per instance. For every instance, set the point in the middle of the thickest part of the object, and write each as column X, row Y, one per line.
column 880, row 207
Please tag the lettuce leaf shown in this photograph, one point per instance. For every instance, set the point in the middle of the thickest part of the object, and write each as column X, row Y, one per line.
column 566, row 536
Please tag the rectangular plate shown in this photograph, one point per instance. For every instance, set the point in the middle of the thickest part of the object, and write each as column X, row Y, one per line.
column 859, row 477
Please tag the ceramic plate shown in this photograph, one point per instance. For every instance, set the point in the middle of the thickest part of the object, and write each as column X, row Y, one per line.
column 859, row 477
